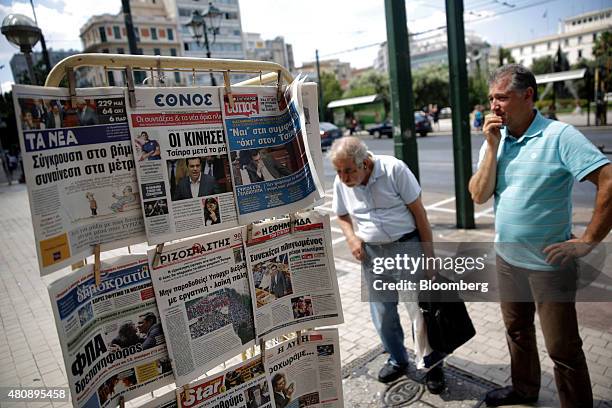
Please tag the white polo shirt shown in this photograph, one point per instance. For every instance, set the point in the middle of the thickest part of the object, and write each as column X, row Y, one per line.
column 379, row 208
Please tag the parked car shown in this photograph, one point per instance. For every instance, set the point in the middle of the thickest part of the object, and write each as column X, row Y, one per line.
column 445, row 113
column 329, row 132
column 421, row 123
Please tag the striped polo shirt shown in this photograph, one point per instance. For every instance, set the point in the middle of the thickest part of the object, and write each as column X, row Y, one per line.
column 533, row 192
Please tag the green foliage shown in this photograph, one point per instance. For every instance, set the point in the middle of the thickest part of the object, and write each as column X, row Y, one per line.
column 543, row 65
column 8, row 135
column 602, row 50
column 431, row 85
column 369, row 83
column 505, row 56
column 331, row 89
column 478, row 91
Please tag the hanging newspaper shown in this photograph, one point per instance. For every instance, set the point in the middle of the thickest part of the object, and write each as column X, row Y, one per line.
column 271, row 162
column 111, row 338
column 308, row 373
column 292, row 275
column 80, row 172
column 203, row 297
column 310, row 103
column 182, row 163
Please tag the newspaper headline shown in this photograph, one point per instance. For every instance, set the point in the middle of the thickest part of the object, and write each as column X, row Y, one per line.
column 79, row 165
column 111, row 339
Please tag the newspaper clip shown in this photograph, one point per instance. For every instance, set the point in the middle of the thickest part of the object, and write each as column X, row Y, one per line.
column 279, row 89
column 122, row 402
column 298, row 336
column 161, row 76
column 129, row 75
column 158, row 250
column 71, row 85
column 292, row 218
column 228, row 89
column 185, row 389
column 262, row 350
column 249, row 233
column 97, row 264
column 78, row 264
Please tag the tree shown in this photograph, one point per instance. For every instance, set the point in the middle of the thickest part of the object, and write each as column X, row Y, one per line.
column 602, row 51
column 505, row 56
column 369, row 83
column 331, row 90
column 8, row 134
column 431, row 85
column 478, row 91
column 543, row 65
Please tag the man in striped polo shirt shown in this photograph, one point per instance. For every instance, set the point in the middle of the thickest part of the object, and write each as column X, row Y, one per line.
column 529, row 164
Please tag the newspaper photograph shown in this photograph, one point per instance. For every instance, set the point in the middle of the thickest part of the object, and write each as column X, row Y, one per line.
column 183, row 168
column 306, row 374
column 271, row 165
column 292, row 275
column 242, row 385
column 110, row 334
column 80, row 173
column 203, row 296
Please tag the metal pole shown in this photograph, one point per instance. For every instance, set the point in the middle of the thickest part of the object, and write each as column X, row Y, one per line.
column 462, row 152
column 402, row 104
column 42, row 42
column 213, row 82
column 321, row 107
column 28, row 58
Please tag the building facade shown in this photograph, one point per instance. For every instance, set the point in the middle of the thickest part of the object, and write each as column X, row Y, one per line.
column 432, row 49
column 342, row 70
column 576, row 38
column 156, row 34
column 275, row 50
column 19, row 67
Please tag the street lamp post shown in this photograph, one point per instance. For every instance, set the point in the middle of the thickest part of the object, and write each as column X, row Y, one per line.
column 199, row 29
column 22, row 31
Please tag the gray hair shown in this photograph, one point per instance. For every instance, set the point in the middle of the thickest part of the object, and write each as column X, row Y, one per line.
column 521, row 78
column 349, row 147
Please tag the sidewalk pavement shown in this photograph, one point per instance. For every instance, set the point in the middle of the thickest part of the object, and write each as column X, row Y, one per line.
column 30, row 353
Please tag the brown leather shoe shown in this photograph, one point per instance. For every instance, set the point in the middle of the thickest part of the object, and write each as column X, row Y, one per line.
column 507, row 396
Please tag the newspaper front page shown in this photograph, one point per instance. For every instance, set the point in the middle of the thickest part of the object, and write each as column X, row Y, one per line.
column 111, row 338
column 80, row 172
column 292, row 275
column 203, row 297
column 182, row 163
column 271, row 163
column 306, row 374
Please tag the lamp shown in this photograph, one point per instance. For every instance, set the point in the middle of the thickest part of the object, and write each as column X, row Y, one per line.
column 200, row 29
column 22, row 32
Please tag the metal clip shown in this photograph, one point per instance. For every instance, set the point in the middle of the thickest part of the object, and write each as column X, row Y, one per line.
column 279, row 89
column 129, row 76
column 71, row 85
column 228, row 89
column 97, row 264
column 249, row 233
column 158, row 251
column 122, row 402
column 262, row 350
column 298, row 335
column 292, row 221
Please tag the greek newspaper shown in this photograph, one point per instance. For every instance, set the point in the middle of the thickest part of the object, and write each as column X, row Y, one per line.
column 292, row 275
column 182, row 162
column 80, row 172
column 271, row 162
column 203, row 297
column 308, row 373
column 111, row 338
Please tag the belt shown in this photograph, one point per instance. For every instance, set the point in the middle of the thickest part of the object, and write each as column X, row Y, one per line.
column 408, row 236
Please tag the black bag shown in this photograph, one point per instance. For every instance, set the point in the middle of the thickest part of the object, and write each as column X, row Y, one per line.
column 448, row 323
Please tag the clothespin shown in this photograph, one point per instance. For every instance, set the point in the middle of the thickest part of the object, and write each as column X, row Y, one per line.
column 97, row 264
column 279, row 89
column 292, row 218
column 228, row 89
column 71, row 85
column 122, row 402
column 262, row 350
column 129, row 250
column 249, row 233
column 186, row 389
column 260, row 78
column 79, row 264
column 129, row 75
column 158, row 251
column 298, row 335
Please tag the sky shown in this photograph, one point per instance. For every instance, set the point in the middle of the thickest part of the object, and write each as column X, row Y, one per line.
column 332, row 26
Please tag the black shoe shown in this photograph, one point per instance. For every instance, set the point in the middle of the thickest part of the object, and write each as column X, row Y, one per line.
column 434, row 380
column 391, row 372
column 507, row 396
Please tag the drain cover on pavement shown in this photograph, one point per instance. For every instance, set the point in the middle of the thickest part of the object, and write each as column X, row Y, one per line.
column 402, row 393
